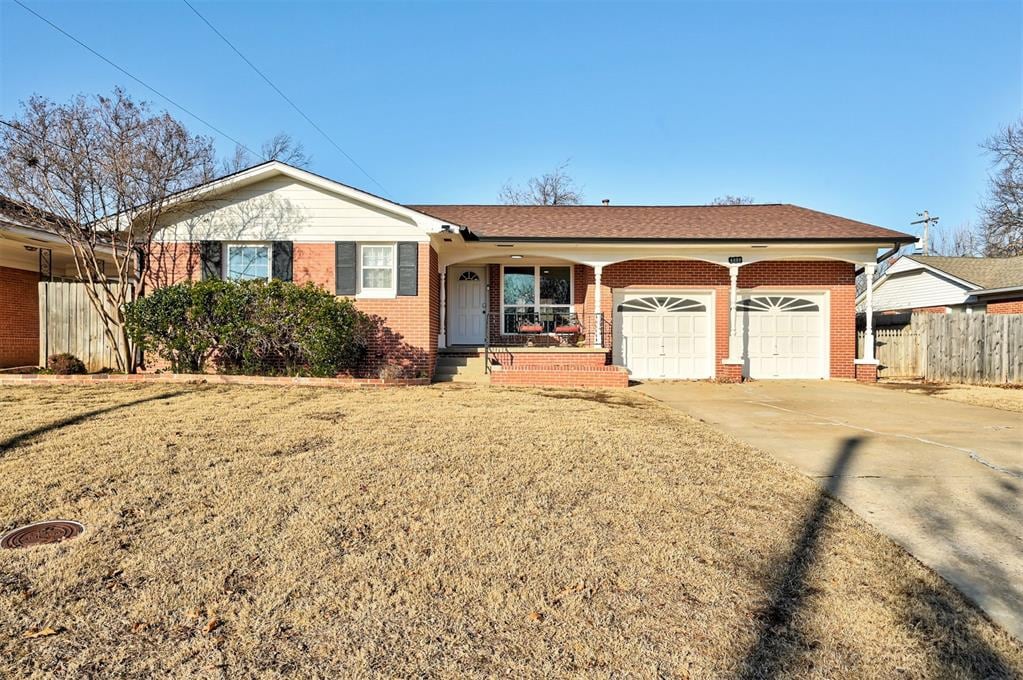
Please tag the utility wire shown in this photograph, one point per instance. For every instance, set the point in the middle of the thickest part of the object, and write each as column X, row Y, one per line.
column 284, row 96
column 136, row 78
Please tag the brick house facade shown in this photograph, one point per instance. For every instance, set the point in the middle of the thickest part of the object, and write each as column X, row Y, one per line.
column 732, row 291
column 19, row 308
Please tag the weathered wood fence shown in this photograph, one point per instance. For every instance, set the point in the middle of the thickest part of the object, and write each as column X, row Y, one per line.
column 966, row 348
column 69, row 323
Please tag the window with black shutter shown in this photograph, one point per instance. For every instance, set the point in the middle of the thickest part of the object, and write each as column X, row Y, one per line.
column 408, row 269
column 345, row 269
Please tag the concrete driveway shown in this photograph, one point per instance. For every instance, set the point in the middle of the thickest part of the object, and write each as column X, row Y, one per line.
column 943, row 479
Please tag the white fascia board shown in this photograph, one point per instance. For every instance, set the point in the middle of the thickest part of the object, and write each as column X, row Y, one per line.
column 604, row 254
column 997, row 291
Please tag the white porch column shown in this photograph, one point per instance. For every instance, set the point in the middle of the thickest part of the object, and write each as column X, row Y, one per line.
column 598, row 315
column 868, row 338
column 442, row 337
column 733, row 325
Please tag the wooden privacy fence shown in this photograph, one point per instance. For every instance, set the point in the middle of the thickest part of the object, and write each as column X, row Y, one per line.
column 966, row 348
column 69, row 323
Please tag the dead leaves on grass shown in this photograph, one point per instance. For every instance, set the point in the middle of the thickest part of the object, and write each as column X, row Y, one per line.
column 33, row 633
column 213, row 622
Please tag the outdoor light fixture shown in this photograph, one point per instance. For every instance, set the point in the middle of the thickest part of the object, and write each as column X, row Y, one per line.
column 735, row 259
column 516, row 257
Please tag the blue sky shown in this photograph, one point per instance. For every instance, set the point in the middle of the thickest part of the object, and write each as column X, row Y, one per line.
column 872, row 110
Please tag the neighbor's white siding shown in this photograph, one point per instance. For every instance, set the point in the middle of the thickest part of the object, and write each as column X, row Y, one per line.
column 917, row 288
column 283, row 209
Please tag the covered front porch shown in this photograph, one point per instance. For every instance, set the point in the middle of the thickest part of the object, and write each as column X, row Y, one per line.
column 695, row 313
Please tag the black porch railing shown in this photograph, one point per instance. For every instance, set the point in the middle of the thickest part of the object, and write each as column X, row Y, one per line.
column 553, row 328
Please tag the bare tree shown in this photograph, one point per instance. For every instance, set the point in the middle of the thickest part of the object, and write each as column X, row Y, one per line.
column 960, row 241
column 281, row 147
column 728, row 199
column 101, row 171
column 552, row 188
column 1002, row 211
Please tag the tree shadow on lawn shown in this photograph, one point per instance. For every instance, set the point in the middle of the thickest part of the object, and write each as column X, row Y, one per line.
column 25, row 437
column 933, row 616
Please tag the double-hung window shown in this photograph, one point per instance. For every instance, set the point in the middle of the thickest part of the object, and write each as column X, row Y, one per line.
column 538, row 298
column 247, row 261
column 376, row 269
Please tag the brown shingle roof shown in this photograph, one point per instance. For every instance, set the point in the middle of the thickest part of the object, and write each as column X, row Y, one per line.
column 696, row 222
column 986, row 272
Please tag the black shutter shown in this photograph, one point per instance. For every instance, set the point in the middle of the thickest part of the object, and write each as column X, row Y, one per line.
column 282, row 260
column 408, row 269
column 210, row 253
column 344, row 267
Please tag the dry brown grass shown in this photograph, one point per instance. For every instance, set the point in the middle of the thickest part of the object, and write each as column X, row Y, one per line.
column 251, row 532
column 1004, row 398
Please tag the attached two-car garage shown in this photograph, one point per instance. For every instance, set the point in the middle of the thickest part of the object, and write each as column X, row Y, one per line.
column 670, row 334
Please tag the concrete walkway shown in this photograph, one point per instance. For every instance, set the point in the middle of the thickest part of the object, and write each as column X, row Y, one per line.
column 945, row 480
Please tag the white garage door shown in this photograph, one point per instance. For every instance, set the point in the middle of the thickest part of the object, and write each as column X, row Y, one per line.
column 665, row 335
column 784, row 336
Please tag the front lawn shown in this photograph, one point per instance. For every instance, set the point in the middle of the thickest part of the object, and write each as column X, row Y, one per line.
column 1004, row 397
column 244, row 531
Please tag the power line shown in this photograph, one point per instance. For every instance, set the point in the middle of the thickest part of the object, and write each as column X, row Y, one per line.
column 284, row 96
column 136, row 78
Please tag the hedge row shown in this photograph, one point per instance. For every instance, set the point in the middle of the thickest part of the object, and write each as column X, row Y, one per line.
column 251, row 327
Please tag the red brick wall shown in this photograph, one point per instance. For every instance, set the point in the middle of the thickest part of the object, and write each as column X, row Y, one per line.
column 1005, row 307
column 555, row 357
column 171, row 263
column 836, row 277
column 19, row 317
column 313, row 263
column 558, row 376
column 405, row 327
column 931, row 310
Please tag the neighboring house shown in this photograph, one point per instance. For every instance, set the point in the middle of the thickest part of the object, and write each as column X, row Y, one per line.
column 30, row 252
column 931, row 283
column 573, row 295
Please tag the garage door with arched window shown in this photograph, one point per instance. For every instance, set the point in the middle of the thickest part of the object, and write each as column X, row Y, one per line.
column 783, row 336
column 665, row 335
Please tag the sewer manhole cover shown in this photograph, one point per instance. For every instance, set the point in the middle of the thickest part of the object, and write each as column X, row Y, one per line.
column 53, row 531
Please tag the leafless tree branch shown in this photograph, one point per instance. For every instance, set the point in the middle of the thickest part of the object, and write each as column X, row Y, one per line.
column 552, row 188
column 1002, row 210
column 100, row 171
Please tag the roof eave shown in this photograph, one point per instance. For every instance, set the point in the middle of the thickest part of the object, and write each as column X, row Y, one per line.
column 881, row 240
column 987, row 292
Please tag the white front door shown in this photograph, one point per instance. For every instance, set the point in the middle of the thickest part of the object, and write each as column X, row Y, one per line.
column 665, row 334
column 467, row 305
column 784, row 335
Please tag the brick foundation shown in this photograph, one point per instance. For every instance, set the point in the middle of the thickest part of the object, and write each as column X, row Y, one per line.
column 19, row 317
column 558, row 375
column 569, row 359
column 866, row 372
column 729, row 373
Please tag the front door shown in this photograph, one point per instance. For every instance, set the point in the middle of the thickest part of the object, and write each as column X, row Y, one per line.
column 467, row 305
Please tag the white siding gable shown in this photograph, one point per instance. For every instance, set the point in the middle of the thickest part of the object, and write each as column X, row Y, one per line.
column 281, row 208
column 916, row 287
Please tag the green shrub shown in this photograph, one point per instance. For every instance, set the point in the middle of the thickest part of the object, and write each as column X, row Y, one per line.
column 65, row 364
column 252, row 327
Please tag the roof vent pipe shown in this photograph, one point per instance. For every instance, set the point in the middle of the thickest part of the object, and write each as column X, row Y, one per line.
column 606, row 201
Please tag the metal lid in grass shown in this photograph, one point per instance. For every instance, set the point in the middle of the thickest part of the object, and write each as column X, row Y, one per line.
column 39, row 533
